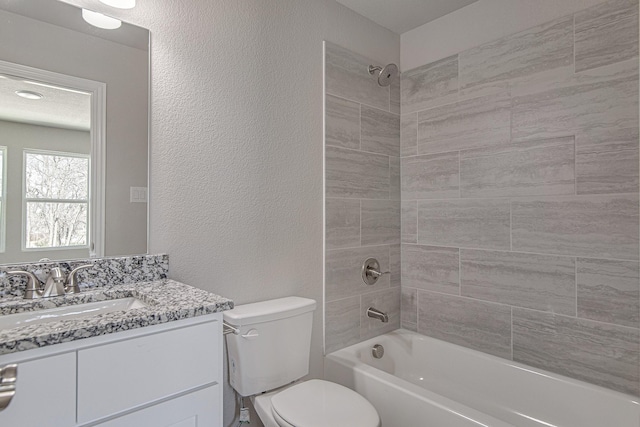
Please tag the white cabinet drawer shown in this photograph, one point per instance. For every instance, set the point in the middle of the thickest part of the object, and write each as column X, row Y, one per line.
column 120, row 376
column 45, row 393
column 198, row 409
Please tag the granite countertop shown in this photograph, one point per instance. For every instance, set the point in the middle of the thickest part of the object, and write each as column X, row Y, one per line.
column 166, row 300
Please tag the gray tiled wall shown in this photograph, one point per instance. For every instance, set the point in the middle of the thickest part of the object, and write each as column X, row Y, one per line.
column 520, row 212
column 362, row 198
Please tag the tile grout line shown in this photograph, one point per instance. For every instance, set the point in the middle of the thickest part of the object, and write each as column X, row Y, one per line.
column 575, row 260
column 360, row 129
column 510, row 225
column 436, row 245
column 459, row 272
column 511, row 332
column 361, row 103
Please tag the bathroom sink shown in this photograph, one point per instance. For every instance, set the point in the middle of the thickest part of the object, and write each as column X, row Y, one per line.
column 69, row 312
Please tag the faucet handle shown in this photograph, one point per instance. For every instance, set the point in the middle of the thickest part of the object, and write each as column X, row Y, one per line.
column 72, row 286
column 371, row 271
column 34, row 288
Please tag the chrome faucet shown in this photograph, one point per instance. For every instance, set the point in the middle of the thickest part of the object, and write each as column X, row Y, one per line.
column 374, row 313
column 57, row 284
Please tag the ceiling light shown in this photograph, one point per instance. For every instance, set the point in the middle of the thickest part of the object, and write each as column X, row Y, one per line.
column 29, row 94
column 56, row 87
column 99, row 20
column 120, row 4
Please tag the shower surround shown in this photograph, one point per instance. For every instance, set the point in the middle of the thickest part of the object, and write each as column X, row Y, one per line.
column 520, row 215
column 519, row 197
column 362, row 198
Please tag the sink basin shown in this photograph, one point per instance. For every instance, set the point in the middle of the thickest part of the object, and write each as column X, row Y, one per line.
column 69, row 312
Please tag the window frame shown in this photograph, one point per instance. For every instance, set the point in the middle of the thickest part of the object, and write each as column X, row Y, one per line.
column 26, row 200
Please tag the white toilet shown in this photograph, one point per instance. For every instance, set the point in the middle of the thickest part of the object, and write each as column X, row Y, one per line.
column 269, row 351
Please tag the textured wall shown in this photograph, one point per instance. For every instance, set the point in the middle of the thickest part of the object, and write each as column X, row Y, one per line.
column 520, row 213
column 236, row 142
column 362, row 204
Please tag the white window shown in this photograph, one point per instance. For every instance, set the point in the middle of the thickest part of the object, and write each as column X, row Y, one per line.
column 56, row 200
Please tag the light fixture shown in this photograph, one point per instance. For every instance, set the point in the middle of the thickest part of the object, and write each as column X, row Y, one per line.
column 29, row 94
column 99, row 20
column 120, row 4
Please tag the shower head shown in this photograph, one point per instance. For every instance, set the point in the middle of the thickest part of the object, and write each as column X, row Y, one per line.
column 385, row 74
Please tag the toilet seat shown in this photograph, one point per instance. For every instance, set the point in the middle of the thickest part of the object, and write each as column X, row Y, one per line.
column 318, row 403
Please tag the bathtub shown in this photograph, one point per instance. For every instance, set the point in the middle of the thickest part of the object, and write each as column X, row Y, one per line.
column 422, row 381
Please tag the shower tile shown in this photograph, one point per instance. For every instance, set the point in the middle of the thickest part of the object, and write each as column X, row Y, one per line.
column 539, row 51
column 530, row 168
column 433, row 176
column 609, row 291
column 380, row 132
column 475, row 123
column 343, row 123
column 343, row 271
column 596, row 352
column 353, row 174
column 387, row 301
column 409, row 135
column 347, row 75
column 431, row 268
column 607, row 162
column 380, row 222
column 589, row 226
column 606, row 33
column 409, row 221
column 394, row 178
column 476, row 223
column 470, row 323
column 394, row 265
column 409, row 326
column 430, row 85
column 394, row 102
column 343, row 323
column 540, row 282
column 342, row 223
column 600, row 100
column 409, row 306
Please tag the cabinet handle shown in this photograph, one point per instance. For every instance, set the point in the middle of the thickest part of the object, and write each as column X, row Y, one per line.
column 8, row 379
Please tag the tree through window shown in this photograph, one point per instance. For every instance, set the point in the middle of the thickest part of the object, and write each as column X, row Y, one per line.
column 56, row 194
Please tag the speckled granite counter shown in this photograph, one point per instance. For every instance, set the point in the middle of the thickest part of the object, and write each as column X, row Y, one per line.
column 166, row 301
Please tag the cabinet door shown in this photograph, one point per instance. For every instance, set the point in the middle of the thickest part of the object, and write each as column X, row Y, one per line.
column 121, row 376
column 45, row 393
column 197, row 409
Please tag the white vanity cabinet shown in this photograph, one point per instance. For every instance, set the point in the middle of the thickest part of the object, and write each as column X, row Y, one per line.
column 166, row 375
column 45, row 393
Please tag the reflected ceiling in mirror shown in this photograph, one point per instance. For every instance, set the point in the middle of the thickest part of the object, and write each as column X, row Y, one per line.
column 51, row 36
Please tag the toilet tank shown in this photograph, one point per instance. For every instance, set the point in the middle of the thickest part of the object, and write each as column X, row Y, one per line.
column 271, row 348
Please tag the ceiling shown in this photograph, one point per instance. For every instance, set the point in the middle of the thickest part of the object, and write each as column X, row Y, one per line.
column 401, row 16
column 58, row 107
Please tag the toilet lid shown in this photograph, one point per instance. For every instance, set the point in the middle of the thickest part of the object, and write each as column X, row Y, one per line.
column 317, row 403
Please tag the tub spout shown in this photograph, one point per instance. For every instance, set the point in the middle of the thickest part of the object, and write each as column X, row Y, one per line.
column 374, row 313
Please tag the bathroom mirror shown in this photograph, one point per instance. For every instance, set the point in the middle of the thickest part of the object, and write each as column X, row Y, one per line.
column 73, row 175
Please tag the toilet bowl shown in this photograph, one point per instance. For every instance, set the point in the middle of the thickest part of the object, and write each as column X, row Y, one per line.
column 268, row 355
column 315, row 403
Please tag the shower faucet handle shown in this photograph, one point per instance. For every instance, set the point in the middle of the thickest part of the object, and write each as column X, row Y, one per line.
column 371, row 271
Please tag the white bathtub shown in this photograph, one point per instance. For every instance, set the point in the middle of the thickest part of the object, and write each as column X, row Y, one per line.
column 422, row 381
